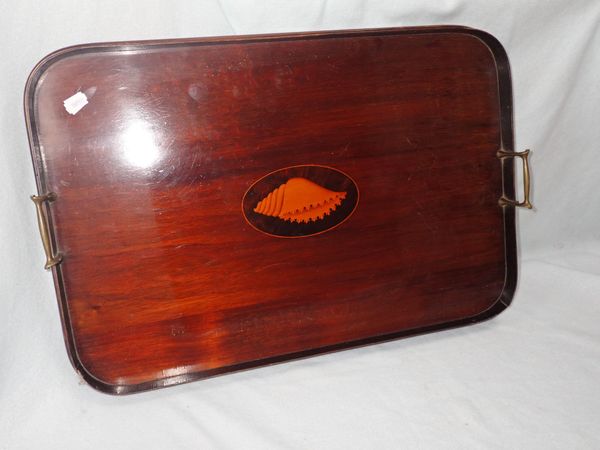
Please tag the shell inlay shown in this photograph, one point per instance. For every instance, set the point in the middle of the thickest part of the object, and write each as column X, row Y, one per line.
column 300, row 200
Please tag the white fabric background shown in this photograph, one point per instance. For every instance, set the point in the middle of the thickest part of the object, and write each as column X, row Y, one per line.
column 528, row 379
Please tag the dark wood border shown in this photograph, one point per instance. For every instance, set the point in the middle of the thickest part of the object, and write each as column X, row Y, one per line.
column 507, row 140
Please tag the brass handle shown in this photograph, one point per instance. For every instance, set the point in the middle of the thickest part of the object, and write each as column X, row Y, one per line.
column 524, row 155
column 39, row 200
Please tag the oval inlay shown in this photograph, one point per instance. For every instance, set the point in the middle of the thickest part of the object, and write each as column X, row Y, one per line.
column 300, row 201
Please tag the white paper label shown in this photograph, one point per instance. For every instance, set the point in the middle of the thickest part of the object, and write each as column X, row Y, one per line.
column 75, row 102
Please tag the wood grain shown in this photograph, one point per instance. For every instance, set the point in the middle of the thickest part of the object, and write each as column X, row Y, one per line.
column 164, row 281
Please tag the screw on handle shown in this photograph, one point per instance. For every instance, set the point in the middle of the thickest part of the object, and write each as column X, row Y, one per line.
column 524, row 155
column 39, row 200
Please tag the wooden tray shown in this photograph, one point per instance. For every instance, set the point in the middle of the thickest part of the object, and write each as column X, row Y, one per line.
column 210, row 205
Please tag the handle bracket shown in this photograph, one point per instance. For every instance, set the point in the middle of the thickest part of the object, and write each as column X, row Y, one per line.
column 39, row 200
column 524, row 155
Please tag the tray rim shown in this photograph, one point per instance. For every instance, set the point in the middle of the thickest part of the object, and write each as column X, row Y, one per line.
column 508, row 185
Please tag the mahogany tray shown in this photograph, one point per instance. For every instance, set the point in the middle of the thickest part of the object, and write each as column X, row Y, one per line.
column 209, row 205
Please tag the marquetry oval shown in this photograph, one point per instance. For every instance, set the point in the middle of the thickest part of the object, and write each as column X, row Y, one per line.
column 300, row 201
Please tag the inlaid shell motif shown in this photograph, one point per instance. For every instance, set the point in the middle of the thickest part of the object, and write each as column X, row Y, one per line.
column 300, row 200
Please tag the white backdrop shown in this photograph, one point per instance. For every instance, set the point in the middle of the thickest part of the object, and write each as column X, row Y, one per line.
column 528, row 379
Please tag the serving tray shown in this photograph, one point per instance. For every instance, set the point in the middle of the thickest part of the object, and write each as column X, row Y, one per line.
column 209, row 205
